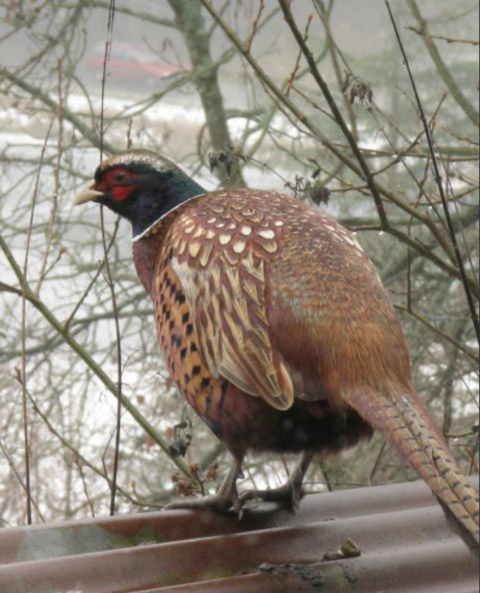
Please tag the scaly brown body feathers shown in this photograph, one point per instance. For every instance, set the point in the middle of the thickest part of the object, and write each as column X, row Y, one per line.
column 277, row 329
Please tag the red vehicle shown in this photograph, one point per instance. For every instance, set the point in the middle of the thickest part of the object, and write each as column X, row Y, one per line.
column 131, row 64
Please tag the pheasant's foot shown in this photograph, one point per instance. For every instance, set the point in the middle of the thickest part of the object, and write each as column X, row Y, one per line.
column 288, row 496
column 224, row 501
column 219, row 503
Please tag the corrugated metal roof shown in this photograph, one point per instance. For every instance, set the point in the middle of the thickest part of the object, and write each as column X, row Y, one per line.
column 405, row 544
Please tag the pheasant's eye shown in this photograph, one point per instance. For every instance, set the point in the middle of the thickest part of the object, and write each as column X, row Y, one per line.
column 119, row 177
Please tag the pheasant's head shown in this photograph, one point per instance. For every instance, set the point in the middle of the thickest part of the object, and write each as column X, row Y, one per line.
column 140, row 186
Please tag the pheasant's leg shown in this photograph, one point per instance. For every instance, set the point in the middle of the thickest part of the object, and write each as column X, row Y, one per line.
column 225, row 500
column 289, row 495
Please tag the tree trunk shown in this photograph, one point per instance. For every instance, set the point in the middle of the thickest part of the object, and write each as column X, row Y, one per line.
column 191, row 24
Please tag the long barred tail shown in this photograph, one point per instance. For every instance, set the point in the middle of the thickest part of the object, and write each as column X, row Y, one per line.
column 405, row 422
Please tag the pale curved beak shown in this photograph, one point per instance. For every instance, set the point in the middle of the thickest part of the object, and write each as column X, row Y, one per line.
column 89, row 194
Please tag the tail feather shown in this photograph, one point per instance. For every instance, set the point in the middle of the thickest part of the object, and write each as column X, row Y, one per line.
column 404, row 420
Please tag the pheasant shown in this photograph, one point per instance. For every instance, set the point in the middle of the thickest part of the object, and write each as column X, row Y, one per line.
column 276, row 328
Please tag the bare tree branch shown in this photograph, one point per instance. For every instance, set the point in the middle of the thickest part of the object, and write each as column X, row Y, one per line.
column 442, row 68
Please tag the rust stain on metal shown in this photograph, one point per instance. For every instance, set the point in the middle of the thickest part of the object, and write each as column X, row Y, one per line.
column 404, row 546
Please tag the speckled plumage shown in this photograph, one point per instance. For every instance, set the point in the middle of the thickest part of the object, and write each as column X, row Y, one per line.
column 215, row 257
column 277, row 329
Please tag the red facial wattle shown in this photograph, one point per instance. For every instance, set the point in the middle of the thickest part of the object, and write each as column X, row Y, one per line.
column 122, row 192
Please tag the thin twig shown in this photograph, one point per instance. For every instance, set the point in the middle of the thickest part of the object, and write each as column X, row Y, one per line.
column 53, row 213
column 24, row 327
column 460, row 225
column 256, row 23
column 377, row 463
column 297, row 66
column 336, row 54
column 468, row 351
column 108, row 271
column 19, row 477
column 449, row 40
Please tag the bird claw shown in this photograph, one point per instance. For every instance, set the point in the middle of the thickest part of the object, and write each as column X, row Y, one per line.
column 228, row 500
column 289, row 496
column 214, row 504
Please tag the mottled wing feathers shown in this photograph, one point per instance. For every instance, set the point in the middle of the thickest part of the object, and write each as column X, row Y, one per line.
column 220, row 256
